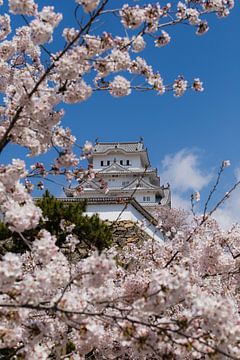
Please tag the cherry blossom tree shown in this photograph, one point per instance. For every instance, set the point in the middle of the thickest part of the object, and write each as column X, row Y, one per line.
column 176, row 299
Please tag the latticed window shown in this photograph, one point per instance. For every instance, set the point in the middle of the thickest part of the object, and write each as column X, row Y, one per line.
column 105, row 163
column 125, row 162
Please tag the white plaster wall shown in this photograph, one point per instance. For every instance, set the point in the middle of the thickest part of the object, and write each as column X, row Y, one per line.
column 117, row 182
column 111, row 212
column 107, row 212
column 133, row 158
column 138, row 194
column 139, row 197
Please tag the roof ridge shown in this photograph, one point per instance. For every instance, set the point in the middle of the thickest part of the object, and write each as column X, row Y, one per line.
column 118, row 142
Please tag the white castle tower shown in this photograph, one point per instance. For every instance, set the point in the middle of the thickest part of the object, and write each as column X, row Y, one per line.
column 133, row 186
column 126, row 168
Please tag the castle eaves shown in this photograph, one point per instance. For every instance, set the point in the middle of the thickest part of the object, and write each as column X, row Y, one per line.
column 102, row 147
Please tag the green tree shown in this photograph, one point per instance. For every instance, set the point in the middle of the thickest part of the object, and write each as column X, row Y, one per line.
column 90, row 231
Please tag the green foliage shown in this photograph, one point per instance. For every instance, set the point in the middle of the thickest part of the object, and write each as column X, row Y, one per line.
column 89, row 230
column 4, row 231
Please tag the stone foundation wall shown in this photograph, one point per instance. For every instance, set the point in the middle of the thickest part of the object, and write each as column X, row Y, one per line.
column 123, row 232
column 126, row 231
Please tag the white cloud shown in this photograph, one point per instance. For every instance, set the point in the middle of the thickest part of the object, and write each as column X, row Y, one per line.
column 229, row 213
column 183, row 171
column 180, row 201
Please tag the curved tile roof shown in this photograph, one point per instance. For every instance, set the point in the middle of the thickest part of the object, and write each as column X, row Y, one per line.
column 134, row 146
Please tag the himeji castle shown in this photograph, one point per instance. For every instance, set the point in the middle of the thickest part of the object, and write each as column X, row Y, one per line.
column 133, row 186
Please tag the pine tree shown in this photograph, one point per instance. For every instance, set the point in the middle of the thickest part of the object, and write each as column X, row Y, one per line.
column 89, row 230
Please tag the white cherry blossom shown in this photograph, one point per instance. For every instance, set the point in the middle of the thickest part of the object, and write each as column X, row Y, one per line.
column 88, row 5
column 24, row 7
column 120, row 86
column 138, row 43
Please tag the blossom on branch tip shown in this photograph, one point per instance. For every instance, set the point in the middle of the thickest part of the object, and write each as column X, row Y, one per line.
column 193, row 16
column 88, row 5
column 202, row 28
column 87, row 149
column 120, row 86
column 66, row 159
column 70, row 34
column 5, row 26
column 226, row 163
column 23, row 7
column 138, row 43
column 180, row 86
column 29, row 186
column 181, row 10
column 157, row 82
column 132, row 17
column 163, row 39
column 197, row 85
column 40, row 185
column 196, row 196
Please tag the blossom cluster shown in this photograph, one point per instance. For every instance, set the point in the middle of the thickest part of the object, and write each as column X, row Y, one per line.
column 16, row 204
column 176, row 299
column 32, row 91
column 125, row 301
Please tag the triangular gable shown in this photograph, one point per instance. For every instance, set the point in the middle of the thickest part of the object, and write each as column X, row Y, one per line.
column 95, row 185
column 114, row 167
column 139, row 182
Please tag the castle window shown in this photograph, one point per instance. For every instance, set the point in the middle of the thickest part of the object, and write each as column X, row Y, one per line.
column 105, row 163
column 125, row 162
column 146, row 198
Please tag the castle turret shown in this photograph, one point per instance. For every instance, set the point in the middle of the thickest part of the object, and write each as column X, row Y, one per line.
column 125, row 168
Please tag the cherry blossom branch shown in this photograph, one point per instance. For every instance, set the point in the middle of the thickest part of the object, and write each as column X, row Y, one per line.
column 4, row 139
column 171, row 259
column 55, row 308
column 213, row 189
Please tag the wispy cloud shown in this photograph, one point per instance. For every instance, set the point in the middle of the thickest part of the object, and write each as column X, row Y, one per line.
column 229, row 213
column 185, row 173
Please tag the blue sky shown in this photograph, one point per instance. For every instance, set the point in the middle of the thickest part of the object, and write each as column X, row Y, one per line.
column 206, row 124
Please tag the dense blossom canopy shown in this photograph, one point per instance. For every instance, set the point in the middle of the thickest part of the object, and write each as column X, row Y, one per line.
column 177, row 299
